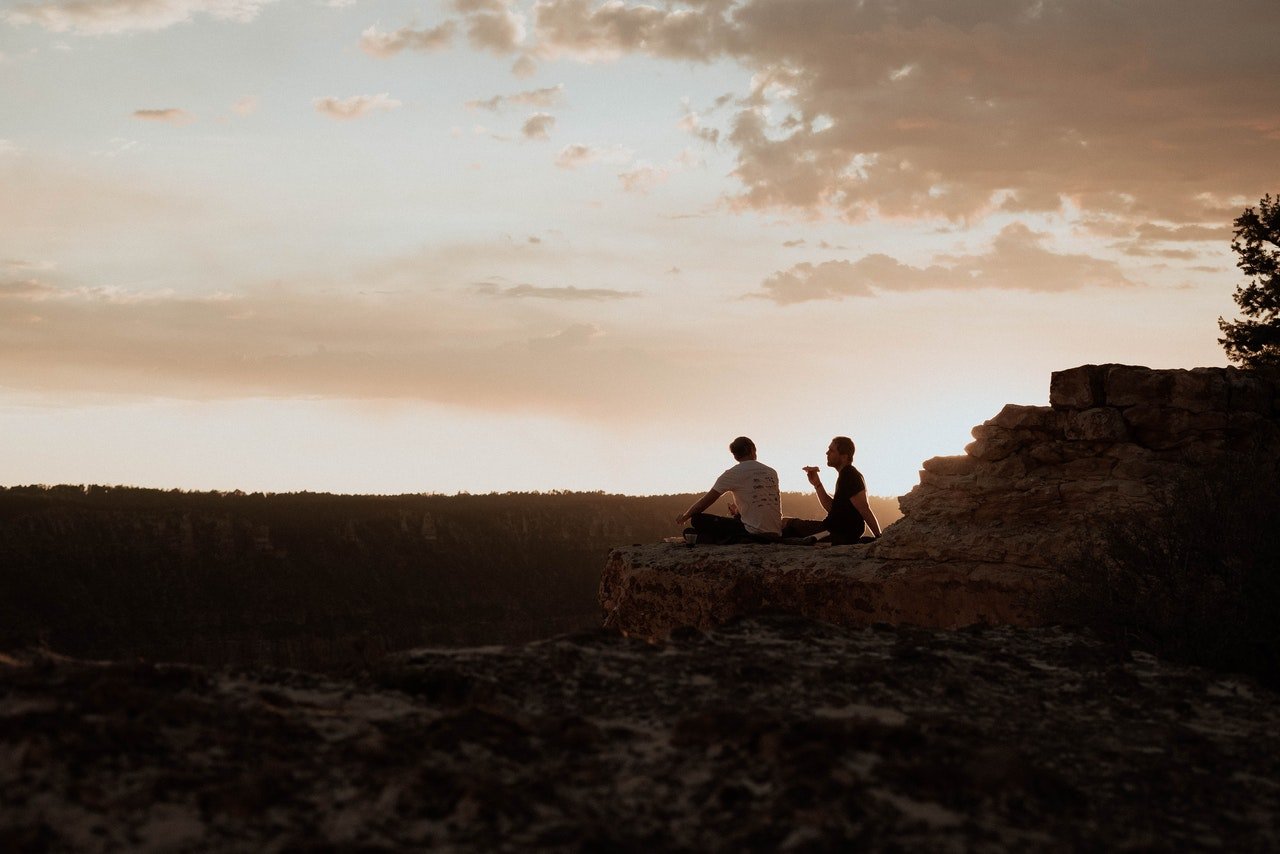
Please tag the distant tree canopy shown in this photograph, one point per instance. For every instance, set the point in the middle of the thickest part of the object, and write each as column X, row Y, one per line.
column 1254, row 342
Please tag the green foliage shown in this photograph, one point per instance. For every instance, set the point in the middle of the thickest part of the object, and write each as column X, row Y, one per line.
column 1197, row 581
column 1254, row 342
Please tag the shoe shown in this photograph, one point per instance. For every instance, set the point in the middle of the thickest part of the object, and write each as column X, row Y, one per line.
column 798, row 541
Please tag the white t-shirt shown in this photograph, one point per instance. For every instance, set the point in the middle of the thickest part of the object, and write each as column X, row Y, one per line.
column 755, row 490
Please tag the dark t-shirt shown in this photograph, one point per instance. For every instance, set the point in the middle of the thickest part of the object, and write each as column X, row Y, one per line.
column 844, row 521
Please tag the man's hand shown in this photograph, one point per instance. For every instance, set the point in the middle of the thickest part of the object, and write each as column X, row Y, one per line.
column 823, row 498
column 698, row 506
column 733, row 509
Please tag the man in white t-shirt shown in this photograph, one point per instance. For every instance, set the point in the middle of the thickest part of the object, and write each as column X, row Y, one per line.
column 755, row 505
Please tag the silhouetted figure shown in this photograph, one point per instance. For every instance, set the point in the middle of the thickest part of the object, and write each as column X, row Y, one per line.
column 847, row 510
column 755, row 505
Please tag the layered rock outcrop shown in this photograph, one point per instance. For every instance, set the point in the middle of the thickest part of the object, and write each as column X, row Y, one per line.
column 984, row 532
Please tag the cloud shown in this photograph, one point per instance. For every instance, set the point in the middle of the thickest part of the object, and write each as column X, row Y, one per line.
column 546, row 97
column 538, row 126
column 691, row 123
column 1184, row 233
column 577, row 335
column 579, row 154
column 1139, row 249
column 524, row 66
column 565, row 294
column 168, row 115
column 28, row 289
column 495, row 26
column 383, row 45
column 492, row 25
column 286, row 342
column 1018, row 260
column 49, row 203
column 355, row 106
column 592, row 32
column 21, row 264
column 1153, row 110
column 100, row 17
column 246, row 106
column 643, row 178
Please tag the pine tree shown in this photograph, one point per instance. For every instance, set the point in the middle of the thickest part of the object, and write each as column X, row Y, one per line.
column 1255, row 342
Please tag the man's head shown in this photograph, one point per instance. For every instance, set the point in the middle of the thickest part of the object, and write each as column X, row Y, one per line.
column 840, row 452
column 742, row 448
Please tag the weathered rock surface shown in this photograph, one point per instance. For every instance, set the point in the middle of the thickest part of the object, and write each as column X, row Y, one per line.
column 649, row 590
column 765, row 734
column 985, row 531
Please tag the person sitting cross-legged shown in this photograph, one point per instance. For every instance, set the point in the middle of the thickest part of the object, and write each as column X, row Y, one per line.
column 756, row 504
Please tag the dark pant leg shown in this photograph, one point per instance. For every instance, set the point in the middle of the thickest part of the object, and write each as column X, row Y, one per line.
column 803, row 527
column 717, row 529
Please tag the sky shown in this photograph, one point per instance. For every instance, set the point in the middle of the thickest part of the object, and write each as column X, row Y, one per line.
column 381, row 246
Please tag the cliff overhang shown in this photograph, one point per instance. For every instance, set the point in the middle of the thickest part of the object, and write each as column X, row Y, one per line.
column 987, row 533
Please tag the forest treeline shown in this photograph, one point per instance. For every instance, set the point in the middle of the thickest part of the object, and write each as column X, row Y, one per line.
column 310, row 579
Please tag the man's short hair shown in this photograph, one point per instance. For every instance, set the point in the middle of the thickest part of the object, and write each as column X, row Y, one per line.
column 844, row 445
column 742, row 447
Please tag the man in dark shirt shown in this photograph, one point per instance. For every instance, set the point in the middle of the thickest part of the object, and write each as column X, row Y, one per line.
column 847, row 510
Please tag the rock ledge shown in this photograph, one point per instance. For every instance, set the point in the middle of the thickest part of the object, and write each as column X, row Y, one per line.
column 984, row 532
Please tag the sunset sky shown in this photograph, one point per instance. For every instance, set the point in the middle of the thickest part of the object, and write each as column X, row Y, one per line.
column 479, row 245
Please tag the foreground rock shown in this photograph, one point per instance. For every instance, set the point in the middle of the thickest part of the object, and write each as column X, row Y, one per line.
column 984, row 533
column 770, row 734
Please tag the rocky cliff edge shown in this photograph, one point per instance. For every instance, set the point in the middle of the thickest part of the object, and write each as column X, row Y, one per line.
column 984, row 533
column 765, row 734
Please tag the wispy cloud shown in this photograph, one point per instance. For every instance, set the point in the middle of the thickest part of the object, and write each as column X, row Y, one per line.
column 388, row 44
column 286, row 342
column 25, row 288
column 549, row 96
column 355, row 106
column 99, row 17
column 246, row 106
column 577, row 335
column 1018, row 260
column 691, row 122
column 643, row 178
column 567, row 293
column 580, row 154
column 167, row 115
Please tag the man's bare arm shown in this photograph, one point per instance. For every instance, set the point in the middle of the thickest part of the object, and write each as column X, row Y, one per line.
column 812, row 472
column 698, row 506
column 868, row 515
